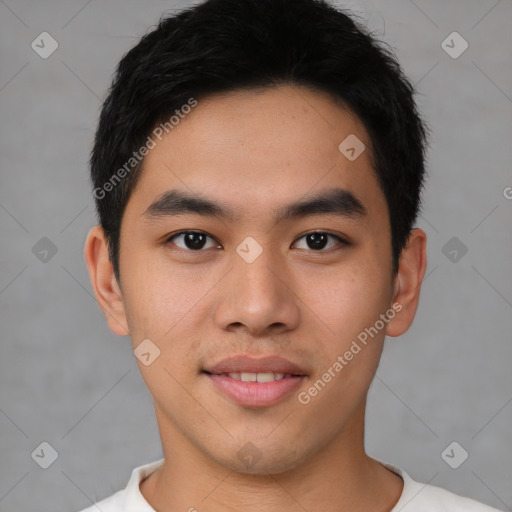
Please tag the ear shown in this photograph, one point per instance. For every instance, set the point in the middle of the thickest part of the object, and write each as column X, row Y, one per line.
column 411, row 270
column 103, row 280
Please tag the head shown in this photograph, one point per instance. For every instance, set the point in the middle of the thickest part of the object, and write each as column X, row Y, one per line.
column 257, row 171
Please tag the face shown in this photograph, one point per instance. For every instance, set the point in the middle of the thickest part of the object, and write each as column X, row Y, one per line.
column 292, row 289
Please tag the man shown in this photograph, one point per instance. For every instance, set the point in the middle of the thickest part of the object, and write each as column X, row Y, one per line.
column 257, row 172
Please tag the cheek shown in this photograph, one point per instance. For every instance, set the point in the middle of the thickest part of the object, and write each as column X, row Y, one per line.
column 158, row 295
column 168, row 305
column 349, row 298
column 350, row 302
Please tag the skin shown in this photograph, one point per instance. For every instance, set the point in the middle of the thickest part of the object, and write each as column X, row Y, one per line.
column 255, row 152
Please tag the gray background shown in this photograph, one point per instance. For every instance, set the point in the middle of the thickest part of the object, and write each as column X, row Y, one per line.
column 66, row 379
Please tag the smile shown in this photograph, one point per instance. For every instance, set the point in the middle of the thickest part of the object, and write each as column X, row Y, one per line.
column 255, row 389
column 257, row 377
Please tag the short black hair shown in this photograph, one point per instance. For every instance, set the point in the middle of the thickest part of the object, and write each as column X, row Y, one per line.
column 219, row 46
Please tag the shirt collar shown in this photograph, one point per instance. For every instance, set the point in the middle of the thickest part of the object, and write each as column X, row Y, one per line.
column 134, row 500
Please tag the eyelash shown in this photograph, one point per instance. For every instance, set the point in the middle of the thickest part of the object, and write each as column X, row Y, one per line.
column 175, row 235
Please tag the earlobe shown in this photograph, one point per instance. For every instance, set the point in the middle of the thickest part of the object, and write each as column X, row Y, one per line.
column 103, row 280
column 411, row 270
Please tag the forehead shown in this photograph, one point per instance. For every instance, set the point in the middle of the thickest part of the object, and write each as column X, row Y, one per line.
column 253, row 148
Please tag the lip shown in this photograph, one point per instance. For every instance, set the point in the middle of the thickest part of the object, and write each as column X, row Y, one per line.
column 245, row 363
column 255, row 394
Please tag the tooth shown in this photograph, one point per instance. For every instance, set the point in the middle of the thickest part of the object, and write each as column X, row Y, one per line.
column 265, row 377
column 248, row 377
column 234, row 375
column 278, row 376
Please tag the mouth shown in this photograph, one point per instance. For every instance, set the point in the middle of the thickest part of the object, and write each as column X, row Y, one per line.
column 256, row 377
column 253, row 382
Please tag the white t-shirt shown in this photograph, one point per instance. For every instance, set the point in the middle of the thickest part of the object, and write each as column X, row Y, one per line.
column 416, row 497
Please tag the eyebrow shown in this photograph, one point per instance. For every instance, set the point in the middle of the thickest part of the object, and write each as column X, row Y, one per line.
column 337, row 201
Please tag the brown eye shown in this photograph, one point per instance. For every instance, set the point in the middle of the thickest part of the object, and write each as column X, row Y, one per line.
column 192, row 240
column 319, row 240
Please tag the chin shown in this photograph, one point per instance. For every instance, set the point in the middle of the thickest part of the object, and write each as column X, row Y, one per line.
column 260, row 458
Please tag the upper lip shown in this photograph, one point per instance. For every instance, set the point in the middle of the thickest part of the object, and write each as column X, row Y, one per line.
column 245, row 363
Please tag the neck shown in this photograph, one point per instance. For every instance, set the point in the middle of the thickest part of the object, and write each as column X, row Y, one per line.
column 339, row 476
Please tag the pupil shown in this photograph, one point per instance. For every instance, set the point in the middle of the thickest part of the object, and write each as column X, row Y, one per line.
column 317, row 240
column 194, row 240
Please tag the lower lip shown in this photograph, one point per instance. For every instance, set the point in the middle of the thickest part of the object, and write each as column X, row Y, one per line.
column 256, row 394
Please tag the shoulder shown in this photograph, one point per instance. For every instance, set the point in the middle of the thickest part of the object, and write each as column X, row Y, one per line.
column 419, row 497
column 129, row 498
column 113, row 503
column 436, row 499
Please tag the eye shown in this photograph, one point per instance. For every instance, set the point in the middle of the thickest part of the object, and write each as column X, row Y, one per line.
column 198, row 240
column 319, row 240
column 192, row 240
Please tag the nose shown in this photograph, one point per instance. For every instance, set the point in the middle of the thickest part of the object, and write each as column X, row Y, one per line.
column 257, row 297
